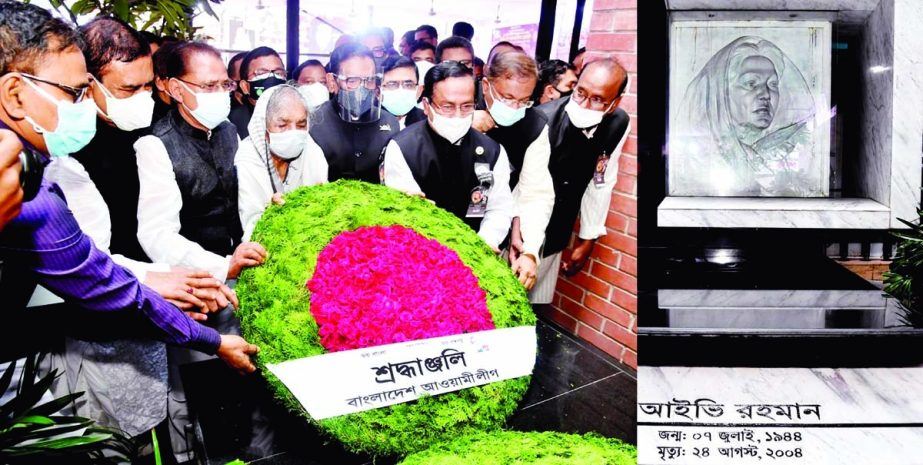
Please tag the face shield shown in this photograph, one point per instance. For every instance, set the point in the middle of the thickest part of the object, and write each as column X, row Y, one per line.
column 359, row 98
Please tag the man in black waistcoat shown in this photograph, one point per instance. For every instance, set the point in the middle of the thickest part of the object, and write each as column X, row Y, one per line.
column 586, row 132
column 351, row 129
column 454, row 166
column 187, row 206
column 523, row 132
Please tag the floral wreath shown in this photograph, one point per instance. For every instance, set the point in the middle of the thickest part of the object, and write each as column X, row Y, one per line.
column 348, row 244
column 532, row 448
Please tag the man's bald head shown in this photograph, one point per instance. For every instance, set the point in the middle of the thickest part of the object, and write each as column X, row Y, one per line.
column 605, row 79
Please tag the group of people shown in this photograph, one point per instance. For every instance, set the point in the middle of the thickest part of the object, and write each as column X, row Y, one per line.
column 159, row 159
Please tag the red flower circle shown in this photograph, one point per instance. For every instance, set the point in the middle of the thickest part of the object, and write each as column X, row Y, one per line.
column 380, row 285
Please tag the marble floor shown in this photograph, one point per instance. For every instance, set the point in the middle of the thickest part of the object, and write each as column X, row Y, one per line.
column 575, row 388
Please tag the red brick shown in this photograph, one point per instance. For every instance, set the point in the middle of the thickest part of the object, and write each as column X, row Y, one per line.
column 617, row 221
column 625, row 20
column 562, row 319
column 608, row 310
column 628, row 164
column 626, row 300
column 600, row 5
column 629, row 103
column 633, row 227
column 602, row 21
column 631, row 146
column 612, row 42
column 570, row 290
column 634, row 125
column 624, row 204
column 615, row 277
column 628, row 60
column 606, row 255
column 581, row 313
column 591, row 284
column 601, row 341
column 629, row 264
column 630, row 358
column 621, row 335
column 626, row 184
column 621, row 242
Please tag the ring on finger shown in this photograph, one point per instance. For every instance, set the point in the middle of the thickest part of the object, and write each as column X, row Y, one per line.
column 191, row 290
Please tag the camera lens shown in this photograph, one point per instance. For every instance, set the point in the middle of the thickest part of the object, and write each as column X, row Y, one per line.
column 30, row 179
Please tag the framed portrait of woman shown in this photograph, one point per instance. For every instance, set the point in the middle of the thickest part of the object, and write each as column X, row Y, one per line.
column 749, row 109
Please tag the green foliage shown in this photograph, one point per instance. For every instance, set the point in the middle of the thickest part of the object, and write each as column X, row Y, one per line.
column 513, row 447
column 34, row 434
column 905, row 279
column 162, row 17
column 275, row 309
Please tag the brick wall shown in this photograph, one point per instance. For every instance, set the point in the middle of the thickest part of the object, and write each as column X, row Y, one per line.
column 599, row 304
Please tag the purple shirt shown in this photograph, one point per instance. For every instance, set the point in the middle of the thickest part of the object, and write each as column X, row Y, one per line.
column 46, row 240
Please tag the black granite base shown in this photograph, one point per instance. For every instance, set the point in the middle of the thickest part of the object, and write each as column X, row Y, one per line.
column 575, row 389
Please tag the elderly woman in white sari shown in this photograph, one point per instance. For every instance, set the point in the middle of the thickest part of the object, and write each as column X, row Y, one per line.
column 278, row 157
column 745, row 127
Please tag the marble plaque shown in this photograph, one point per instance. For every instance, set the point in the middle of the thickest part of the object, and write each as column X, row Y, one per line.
column 749, row 108
column 792, row 416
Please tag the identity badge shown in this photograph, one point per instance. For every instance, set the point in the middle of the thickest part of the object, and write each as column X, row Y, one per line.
column 477, row 204
column 599, row 176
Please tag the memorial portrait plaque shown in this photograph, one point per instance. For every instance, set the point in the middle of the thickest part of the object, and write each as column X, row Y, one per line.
column 749, row 109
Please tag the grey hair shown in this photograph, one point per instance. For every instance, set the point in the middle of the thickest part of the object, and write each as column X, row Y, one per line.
column 282, row 97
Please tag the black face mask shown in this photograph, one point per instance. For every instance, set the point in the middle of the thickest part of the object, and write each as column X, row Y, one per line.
column 258, row 86
column 564, row 94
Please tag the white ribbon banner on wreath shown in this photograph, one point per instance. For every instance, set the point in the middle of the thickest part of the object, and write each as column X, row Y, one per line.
column 352, row 381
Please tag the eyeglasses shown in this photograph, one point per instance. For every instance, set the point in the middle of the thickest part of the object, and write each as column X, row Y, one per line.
column 596, row 103
column 353, row 82
column 515, row 104
column 447, row 109
column 219, row 86
column 78, row 93
column 394, row 85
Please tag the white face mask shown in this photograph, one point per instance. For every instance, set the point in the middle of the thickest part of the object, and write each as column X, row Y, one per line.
column 129, row 113
column 452, row 129
column 399, row 102
column 213, row 108
column 315, row 94
column 423, row 67
column 288, row 145
column 583, row 118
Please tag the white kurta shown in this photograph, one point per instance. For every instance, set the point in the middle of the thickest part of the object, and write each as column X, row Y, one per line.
column 159, row 204
column 533, row 196
column 91, row 211
column 499, row 213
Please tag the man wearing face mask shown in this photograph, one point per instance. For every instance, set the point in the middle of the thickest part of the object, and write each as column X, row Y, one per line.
column 311, row 78
column 187, row 209
column 586, row 132
column 43, row 100
column 351, row 129
column 188, row 205
column 278, row 157
column 459, row 169
column 100, row 183
column 523, row 132
column 556, row 79
column 237, row 98
column 260, row 69
column 400, row 91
